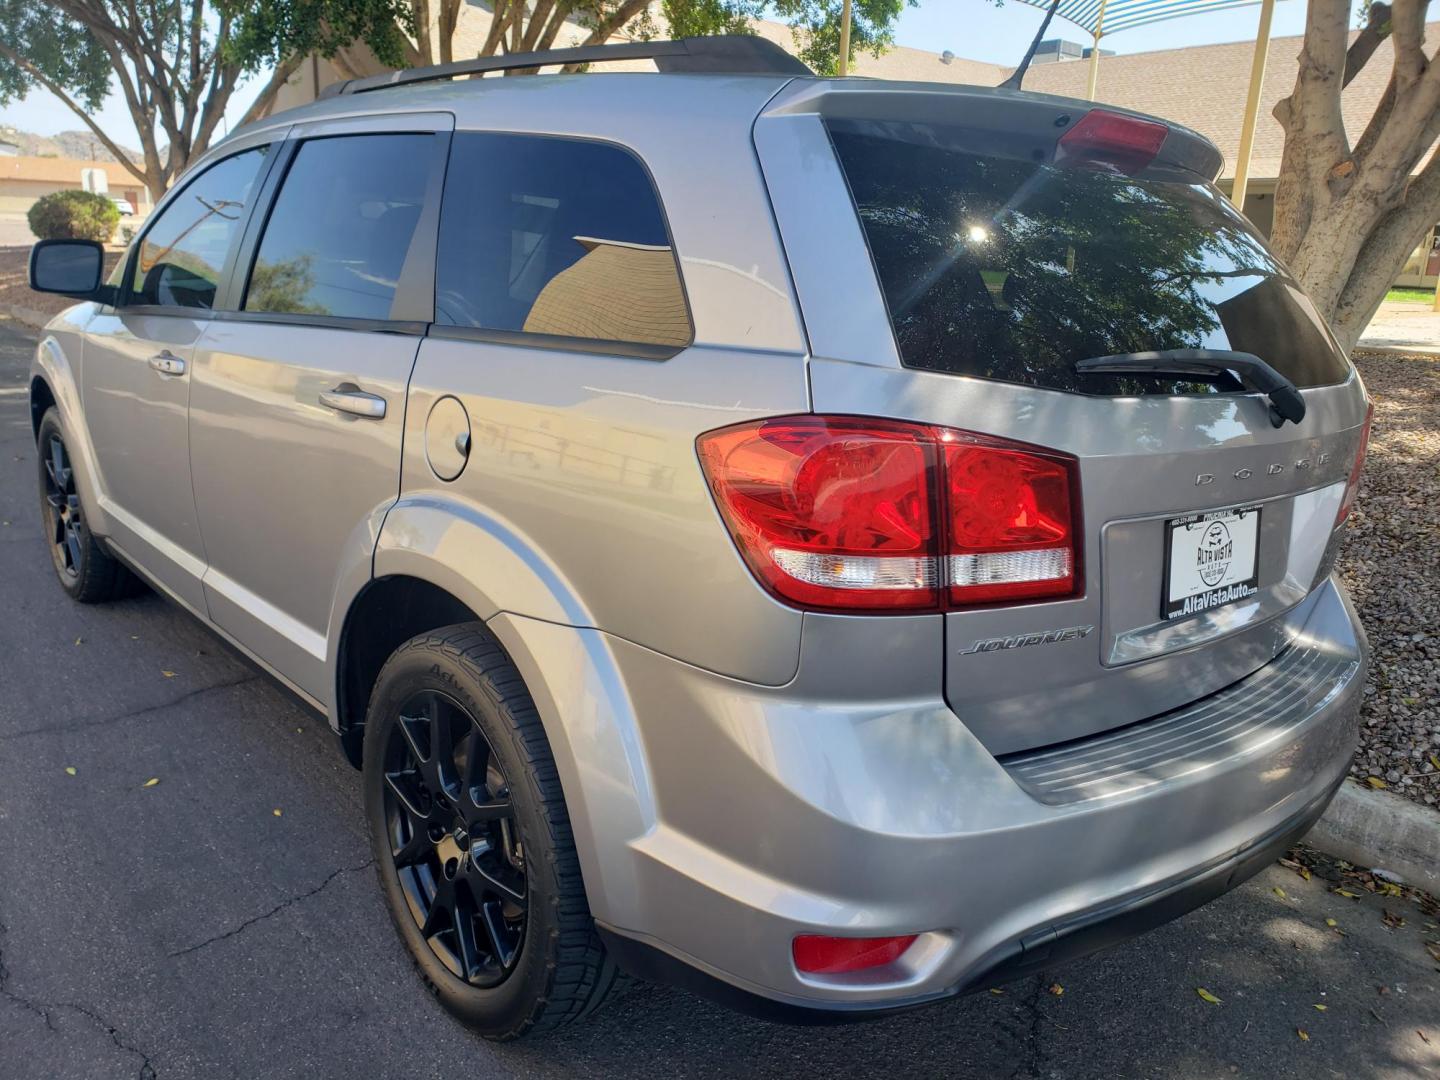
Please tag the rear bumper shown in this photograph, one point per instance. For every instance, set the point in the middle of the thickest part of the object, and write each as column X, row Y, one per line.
column 1076, row 936
column 847, row 803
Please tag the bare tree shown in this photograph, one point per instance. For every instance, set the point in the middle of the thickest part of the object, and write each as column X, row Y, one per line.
column 1347, row 216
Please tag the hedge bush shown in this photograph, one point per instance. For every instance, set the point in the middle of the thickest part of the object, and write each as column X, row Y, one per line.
column 74, row 215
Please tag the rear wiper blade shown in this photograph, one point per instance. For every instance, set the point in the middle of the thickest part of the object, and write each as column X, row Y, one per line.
column 1286, row 402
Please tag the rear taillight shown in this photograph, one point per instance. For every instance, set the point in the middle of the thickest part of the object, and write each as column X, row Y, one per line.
column 1352, row 486
column 1110, row 138
column 851, row 513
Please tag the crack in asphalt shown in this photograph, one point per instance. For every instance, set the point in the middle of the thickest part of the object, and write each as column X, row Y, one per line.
column 87, row 723
column 1035, row 1053
column 43, row 1010
column 287, row 903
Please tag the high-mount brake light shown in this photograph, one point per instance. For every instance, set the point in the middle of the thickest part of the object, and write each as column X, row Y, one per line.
column 1103, row 137
column 1352, row 485
column 860, row 514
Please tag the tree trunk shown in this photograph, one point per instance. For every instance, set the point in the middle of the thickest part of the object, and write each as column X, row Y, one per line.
column 1346, row 218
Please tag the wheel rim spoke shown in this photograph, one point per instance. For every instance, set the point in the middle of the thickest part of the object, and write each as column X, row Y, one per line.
column 451, row 820
column 494, row 921
column 467, row 949
column 487, row 880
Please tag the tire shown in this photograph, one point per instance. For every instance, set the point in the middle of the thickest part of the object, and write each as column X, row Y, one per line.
column 457, row 839
column 87, row 572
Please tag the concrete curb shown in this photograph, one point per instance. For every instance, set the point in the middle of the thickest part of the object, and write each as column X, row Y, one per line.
column 28, row 316
column 1378, row 830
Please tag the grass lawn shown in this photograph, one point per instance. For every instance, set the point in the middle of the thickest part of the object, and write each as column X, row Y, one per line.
column 1412, row 296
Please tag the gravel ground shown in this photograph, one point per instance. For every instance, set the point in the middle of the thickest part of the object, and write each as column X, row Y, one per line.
column 1391, row 563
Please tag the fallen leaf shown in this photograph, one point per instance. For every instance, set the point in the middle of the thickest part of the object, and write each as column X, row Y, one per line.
column 79, row 641
column 1280, row 893
column 1206, row 995
column 168, row 674
column 1304, row 1035
column 1430, row 947
column 1392, row 920
column 70, row 770
column 1320, row 1008
column 997, row 991
column 1375, row 782
column 1331, row 923
column 1346, row 893
column 1056, row 989
column 1389, row 888
column 151, row 782
column 1435, row 761
column 277, row 811
column 1425, row 1038
column 1383, row 991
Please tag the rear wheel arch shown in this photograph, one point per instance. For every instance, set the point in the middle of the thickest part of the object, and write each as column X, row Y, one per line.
column 388, row 612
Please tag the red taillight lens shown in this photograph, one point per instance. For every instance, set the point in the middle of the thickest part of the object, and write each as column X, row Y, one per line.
column 1352, row 486
column 817, row 955
column 847, row 513
column 1104, row 137
column 1011, row 527
column 830, row 512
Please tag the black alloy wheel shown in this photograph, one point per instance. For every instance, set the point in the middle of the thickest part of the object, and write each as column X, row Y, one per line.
column 453, row 838
column 66, row 524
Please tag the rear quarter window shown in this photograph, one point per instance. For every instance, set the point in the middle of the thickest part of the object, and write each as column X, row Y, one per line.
column 557, row 237
column 1012, row 269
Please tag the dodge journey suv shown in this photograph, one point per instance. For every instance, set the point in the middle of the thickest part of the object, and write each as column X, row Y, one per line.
column 830, row 544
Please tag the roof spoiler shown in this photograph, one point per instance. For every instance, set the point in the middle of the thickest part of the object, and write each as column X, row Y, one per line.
column 721, row 54
column 1027, row 124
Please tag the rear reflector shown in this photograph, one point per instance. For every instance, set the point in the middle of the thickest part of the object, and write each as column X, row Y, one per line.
column 858, row 514
column 1110, row 138
column 817, row 955
column 1352, row 486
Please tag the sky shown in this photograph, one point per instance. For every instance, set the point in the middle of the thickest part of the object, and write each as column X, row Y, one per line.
column 975, row 29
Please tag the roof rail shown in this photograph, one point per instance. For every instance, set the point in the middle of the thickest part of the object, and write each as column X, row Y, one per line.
column 725, row 54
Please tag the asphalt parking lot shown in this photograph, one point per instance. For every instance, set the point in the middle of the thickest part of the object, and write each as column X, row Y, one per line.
column 185, row 929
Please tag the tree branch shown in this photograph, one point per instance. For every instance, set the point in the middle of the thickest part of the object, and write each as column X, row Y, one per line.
column 266, row 98
column 1376, row 30
column 39, row 76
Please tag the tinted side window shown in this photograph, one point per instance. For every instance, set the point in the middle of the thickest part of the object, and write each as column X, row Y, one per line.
column 556, row 236
column 183, row 253
column 341, row 226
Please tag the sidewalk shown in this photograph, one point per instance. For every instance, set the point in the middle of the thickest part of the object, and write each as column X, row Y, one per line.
column 1403, row 327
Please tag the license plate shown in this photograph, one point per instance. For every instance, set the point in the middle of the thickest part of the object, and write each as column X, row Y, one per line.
column 1210, row 560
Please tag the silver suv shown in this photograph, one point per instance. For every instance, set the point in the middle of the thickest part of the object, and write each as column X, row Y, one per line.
column 831, row 544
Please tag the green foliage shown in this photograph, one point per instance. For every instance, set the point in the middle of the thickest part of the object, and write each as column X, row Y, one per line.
column 267, row 31
column 38, row 36
column 74, row 215
column 700, row 18
column 816, row 24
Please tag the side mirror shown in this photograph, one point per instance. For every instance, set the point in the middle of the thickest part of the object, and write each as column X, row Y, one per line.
column 69, row 267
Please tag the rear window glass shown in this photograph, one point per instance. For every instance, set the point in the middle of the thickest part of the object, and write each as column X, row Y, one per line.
column 1012, row 269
